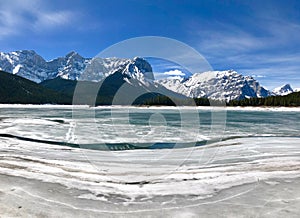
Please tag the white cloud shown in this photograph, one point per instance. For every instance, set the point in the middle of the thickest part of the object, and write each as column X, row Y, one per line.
column 174, row 73
column 170, row 74
column 258, row 76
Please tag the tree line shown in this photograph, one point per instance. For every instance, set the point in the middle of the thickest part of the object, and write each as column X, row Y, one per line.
column 291, row 100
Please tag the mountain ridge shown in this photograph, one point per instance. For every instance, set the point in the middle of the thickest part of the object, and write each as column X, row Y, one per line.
column 218, row 85
column 30, row 65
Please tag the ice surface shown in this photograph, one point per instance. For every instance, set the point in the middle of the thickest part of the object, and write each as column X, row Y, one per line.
column 128, row 181
column 253, row 173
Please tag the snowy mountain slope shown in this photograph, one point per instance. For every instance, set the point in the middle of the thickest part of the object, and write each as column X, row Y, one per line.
column 26, row 64
column 283, row 90
column 220, row 85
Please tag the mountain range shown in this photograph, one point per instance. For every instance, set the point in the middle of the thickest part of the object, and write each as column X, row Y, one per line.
column 61, row 75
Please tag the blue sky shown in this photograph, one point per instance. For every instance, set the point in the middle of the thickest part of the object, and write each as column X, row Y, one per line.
column 259, row 38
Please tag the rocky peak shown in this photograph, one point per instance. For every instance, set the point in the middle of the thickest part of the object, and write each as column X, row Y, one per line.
column 283, row 90
column 139, row 66
column 219, row 85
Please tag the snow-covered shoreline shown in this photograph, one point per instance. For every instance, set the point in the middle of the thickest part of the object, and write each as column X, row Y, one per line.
column 228, row 108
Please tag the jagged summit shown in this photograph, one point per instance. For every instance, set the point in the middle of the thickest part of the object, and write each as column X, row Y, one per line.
column 71, row 53
column 283, row 90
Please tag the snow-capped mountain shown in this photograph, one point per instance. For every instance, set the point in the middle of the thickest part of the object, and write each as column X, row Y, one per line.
column 219, row 85
column 30, row 65
column 283, row 90
column 297, row 90
column 99, row 68
column 26, row 64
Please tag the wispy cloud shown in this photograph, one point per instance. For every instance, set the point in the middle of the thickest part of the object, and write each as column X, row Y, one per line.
column 31, row 15
column 7, row 23
column 230, row 39
column 49, row 20
column 268, row 49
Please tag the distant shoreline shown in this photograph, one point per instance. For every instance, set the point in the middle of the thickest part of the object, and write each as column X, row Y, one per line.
column 229, row 108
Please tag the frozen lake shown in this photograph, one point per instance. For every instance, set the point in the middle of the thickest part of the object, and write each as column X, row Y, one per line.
column 151, row 162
